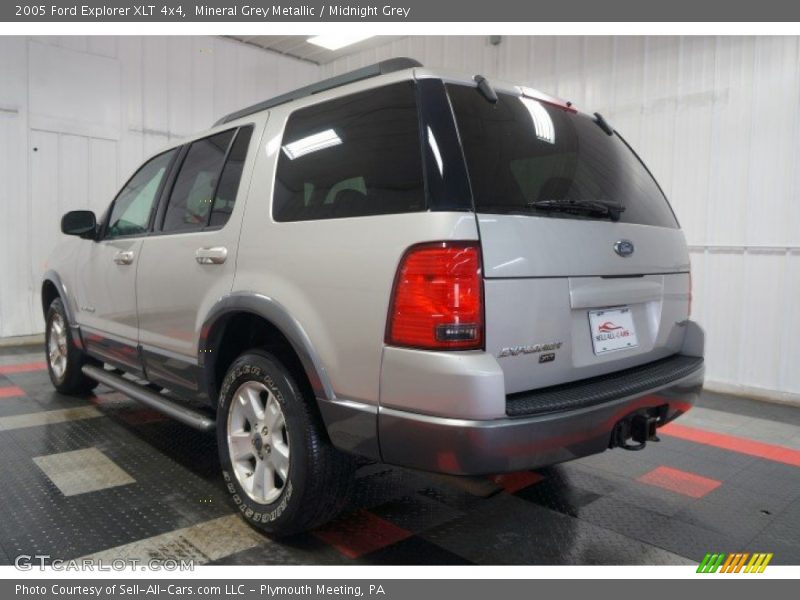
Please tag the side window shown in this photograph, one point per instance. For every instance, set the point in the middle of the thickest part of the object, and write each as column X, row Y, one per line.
column 130, row 213
column 354, row 156
column 192, row 194
column 229, row 180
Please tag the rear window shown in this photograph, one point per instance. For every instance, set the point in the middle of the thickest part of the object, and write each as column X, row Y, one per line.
column 529, row 157
column 351, row 157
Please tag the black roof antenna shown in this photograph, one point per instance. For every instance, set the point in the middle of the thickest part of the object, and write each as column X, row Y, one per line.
column 485, row 88
column 603, row 124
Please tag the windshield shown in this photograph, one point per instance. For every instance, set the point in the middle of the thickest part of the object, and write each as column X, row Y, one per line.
column 530, row 157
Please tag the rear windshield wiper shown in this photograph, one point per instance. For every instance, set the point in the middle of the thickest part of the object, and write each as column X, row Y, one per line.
column 612, row 210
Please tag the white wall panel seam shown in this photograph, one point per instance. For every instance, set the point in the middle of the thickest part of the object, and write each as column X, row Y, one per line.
column 30, row 284
column 742, row 321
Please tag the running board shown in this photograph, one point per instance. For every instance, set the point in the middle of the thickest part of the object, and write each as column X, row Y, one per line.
column 181, row 413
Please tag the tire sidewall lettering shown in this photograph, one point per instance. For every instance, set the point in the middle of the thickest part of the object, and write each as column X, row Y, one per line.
column 249, row 509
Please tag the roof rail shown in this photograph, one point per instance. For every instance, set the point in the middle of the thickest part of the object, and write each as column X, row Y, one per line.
column 385, row 66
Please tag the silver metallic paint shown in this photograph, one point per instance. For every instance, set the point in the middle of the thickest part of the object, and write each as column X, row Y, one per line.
column 337, row 330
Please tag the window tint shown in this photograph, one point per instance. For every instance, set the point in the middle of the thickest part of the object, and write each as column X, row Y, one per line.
column 351, row 157
column 523, row 155
column 229, row 180
column 193, row 191
column 130, row 213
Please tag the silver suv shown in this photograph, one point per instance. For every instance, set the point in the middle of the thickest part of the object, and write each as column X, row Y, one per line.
column 420, row 268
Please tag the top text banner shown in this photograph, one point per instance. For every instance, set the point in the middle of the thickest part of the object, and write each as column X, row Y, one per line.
column 261, row 11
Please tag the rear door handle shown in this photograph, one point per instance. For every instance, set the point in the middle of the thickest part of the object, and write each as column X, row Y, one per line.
column 211, row 256
column 124, row 257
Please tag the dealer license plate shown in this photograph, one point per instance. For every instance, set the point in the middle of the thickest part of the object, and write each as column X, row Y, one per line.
column 612, row 329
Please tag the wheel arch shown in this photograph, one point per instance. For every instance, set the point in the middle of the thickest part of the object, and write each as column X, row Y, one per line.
column 351, row 426
column 274, row 315
column 52, row 288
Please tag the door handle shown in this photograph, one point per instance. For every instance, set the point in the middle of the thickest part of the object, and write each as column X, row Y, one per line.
column 124, row 258
column 211, row 256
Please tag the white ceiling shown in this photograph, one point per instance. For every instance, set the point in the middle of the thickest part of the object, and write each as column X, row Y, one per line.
column 298, row 47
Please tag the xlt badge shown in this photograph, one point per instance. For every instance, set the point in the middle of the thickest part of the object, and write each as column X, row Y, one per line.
column 529, row 349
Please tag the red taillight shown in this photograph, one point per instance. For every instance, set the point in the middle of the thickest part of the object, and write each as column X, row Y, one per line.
column 438, row 298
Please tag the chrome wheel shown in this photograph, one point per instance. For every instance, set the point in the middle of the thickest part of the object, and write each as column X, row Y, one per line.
column 57, row 346
column 258, row 442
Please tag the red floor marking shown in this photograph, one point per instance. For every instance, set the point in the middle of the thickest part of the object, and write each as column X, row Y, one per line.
column 361, row 532
column 734, row 444
column 679, row 481
column 514, row 482
column 109, row 398
column 142, row 416
column 22, row 368
column 11, row 391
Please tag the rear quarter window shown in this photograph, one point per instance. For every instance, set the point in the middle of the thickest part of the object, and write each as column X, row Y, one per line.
column 354, row 156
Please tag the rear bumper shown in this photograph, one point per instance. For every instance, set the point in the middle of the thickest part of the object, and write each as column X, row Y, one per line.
column 474, row 447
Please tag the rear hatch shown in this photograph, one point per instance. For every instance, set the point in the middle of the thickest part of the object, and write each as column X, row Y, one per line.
column 586, row 270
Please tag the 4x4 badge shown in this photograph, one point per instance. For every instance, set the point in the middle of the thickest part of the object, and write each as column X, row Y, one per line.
column 624, row 248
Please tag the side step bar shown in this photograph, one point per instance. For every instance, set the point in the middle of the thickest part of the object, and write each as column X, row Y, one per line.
column 181, row 413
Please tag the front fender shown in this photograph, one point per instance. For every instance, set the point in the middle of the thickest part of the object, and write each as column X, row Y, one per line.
column 67, row 299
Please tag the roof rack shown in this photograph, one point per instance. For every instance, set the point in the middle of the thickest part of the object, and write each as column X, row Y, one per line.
column 385, row 66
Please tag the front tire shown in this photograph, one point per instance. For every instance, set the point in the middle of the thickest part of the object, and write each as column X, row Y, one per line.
column 280, row 469
column 64, row 359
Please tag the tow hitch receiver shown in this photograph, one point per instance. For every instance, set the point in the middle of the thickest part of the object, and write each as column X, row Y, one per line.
column 643, row 429
column 639, row 428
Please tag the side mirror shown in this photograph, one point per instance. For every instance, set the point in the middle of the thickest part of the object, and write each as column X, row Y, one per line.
column 79, row 222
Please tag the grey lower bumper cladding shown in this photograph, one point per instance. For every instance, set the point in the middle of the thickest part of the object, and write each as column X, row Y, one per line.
column 471, row 447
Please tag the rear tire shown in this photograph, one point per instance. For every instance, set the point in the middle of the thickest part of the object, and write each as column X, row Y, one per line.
column 281, row 470
column 64, row 358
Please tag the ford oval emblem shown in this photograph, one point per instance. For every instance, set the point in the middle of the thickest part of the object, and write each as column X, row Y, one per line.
column 624, row 248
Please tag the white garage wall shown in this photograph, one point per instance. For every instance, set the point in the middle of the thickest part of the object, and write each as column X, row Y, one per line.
column 78, row 114
column 717, row 121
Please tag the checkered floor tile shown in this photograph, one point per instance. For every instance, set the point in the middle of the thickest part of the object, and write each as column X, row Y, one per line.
column 82, row 471
column 102, row 476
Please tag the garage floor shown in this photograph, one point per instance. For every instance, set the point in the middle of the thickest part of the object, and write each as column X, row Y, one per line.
column 103, row 476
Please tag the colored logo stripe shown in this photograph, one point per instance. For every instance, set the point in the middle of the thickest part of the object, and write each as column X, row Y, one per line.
column 710, row 563
column 758, row 563
column 726, row 565
column 741, row 562
column 733, row 563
